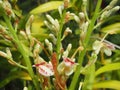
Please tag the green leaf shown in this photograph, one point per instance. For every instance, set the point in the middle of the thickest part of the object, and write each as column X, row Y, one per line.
column 112, row 84
column 113, row 28
column 46, row 7
column 108, row 67
column 13, row 75
column 40, row 37
column 89, row 78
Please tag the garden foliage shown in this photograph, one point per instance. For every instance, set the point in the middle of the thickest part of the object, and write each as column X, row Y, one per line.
column 59, row 45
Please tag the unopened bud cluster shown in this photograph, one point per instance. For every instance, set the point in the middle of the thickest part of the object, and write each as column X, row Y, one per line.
column 110, row 9
column 7, row 7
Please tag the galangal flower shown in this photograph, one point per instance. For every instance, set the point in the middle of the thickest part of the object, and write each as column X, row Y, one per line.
column 45, row 69
column 67, row 66
column 105, row 47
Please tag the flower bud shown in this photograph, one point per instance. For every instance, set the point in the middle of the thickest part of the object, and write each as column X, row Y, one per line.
column 56, row 24
column 69, row 47
column 60, row 9
column 115, row 9
column 67, row 31
column 82, row 16
column 76, row 18
column 8, row 52
column 111, row 5
column 85, row 27
column 36, row 50
column 6, row 5
column 65, row 53
column 28, row 25
column 67, row 16
column 104, row 15
column 50, row 19
column 49, row 45
column 53, row 38
column 47, row 24
column 113, row 2
column 23, row 34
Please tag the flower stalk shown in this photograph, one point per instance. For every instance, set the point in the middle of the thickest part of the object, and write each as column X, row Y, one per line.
column 85, row 43
column 22, row 51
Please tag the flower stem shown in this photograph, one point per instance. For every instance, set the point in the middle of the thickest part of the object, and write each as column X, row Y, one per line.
column 59, row 34
column 22, row 51
column 82, row 53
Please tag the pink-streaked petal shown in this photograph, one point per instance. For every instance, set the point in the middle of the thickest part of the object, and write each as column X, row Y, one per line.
column 110, row 46
column 45, row 71
column 68, row 62
column 37, row 65
column 44, row 68
column 50, row 66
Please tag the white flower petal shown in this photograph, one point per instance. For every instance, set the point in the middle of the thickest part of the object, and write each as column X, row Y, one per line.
column 107, row 51
column 61, row 68
column 45, row 71
column 97, row 45
column 69, row 71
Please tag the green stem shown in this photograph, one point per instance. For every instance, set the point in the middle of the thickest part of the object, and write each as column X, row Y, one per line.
column 22, row 51
column 82, row 54
column 59, row 34
column 73, row 2
column 17, row 64
column 89, row 78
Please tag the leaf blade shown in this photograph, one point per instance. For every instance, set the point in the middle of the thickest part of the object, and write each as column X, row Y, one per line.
column 113, row 28
column 111, row 84
column 108, row 67
column 46, row 7
column 14, row 75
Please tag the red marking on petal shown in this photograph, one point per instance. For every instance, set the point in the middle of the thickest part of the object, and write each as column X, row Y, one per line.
column 43, row 70
column 110, row 46
column 37, row 65
column 68, row 61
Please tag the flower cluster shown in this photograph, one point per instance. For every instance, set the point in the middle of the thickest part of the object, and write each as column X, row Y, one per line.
column 105, row 47
column 7, row 7
column 110, row 9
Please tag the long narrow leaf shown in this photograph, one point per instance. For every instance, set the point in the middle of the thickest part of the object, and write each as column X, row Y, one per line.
column 113, row 28
column 108, row 67
column 14, row 75
column 112, row 84
column 46, row 7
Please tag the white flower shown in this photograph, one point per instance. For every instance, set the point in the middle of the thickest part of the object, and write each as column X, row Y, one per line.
column 45, row 69
column 67, row 66
column 97, row 45
column 107, row 48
